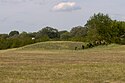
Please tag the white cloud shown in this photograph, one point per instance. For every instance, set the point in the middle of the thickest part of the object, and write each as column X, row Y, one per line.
column 66, row 6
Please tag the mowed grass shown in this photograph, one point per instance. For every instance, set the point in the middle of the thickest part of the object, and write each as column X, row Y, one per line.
column 103, row 64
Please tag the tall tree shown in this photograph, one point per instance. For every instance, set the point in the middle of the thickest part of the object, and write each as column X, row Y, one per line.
column 99, row 27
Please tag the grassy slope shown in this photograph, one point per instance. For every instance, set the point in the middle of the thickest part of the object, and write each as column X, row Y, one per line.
column 55, row 45
column 103, row 64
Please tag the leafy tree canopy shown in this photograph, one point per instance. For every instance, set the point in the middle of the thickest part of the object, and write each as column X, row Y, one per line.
column 13, row 33
column 99, row 27
column 78, row 31
column 49, row 31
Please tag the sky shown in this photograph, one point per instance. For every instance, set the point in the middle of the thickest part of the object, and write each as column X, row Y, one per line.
column 33, row 15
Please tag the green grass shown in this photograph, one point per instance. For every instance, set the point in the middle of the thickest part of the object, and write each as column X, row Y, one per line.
column 55, row 45
column 102, row 64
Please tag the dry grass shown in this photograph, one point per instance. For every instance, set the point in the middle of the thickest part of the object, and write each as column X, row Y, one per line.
column 105, row 64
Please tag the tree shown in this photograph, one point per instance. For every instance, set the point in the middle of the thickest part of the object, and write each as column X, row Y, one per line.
column 78, row 31
column 49, row 31
column 62, row 32
column 24, row 34
column 33, row 34
column 3, row 36
column 99, row 27
column 13, row 33
column 118, row 32
column 65, row 36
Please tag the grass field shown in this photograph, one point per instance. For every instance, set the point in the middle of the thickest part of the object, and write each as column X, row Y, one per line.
column 103, row 64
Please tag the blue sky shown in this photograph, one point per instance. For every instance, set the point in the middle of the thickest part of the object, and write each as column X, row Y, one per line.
column 32, row 15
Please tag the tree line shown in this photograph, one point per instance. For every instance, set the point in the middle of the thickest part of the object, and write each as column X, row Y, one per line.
column 99, row 27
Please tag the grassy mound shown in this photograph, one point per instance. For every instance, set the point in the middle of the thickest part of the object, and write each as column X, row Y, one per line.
column 54, row 45
column 69, row 45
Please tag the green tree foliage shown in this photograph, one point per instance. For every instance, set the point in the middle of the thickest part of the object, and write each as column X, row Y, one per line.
column 118, row 32
column 102, row 27
column 14, row 42
column 42, row 39
column 63, row 31
column 15, row 39
column 14, row 33
column 24, row 35
column 3, row 36
column 32, row 34
column 99, row 27
column 48, row 31
column 78, row 31
column 65, row 36
column 4, row 44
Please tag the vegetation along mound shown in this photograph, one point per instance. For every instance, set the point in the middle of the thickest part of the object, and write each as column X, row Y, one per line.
column 55, row 45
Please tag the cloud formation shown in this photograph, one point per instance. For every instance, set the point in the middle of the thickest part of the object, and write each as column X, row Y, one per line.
column 66, row 6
